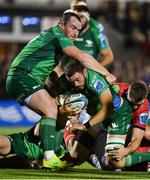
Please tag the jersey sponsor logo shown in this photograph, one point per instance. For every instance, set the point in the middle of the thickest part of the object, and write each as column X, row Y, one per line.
column 35, row 87
column 98, row 85
column 114, row 125
column 79, row 39
column 143, row 118
column 89, row 43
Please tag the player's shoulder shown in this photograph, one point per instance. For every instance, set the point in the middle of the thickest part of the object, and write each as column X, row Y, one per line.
column 96, row 25
column 144, row 106
column 122, row 87
column 96, row 82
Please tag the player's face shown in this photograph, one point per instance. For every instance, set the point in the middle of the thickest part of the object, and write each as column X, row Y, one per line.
column 134, row 105
column 72, row 28
column 84, row 20
column 78, row 80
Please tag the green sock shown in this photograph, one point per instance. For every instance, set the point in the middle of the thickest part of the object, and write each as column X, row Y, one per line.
column 59, row 140
column 48, row 133
column 137, row 157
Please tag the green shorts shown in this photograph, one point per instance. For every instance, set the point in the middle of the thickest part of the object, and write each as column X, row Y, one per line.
column 21, row 145
column 120, row 121
column 21, row 87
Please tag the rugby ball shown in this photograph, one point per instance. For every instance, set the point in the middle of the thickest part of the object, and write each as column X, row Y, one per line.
column 77, row 101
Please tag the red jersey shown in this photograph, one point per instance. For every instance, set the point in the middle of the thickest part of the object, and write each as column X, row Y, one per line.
column 139, row 115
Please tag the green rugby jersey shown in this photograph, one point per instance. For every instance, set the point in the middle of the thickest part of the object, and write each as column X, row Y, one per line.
column 41, row 55
column 93, row 40
column 95, row 86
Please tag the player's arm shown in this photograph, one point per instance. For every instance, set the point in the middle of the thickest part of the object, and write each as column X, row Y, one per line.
column 89, row 62
column 147, row 131
column 107, row 57
column 140, row 117
column 105, row 99
column 136, row 138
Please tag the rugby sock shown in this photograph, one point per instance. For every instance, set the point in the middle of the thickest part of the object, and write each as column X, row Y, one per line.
column 59, row 140
column 137, row 157
column 68, row 136
column 48, row 136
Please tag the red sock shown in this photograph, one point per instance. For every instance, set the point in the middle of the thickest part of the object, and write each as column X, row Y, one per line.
column 68, row 136
column 143, row 149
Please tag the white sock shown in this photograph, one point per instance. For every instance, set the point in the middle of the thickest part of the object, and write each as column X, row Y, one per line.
column 95, row 161
column 48, row 154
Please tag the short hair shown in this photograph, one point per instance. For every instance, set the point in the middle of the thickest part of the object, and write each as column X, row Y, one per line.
column 67, row 15
column 71, row 66
column 138, row 91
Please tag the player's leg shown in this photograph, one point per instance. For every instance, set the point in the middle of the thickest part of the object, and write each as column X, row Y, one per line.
column 29, row 92
column 15, row 161
column 119, row 123
column 8, row 150
column 5, row 145
column 142, row 155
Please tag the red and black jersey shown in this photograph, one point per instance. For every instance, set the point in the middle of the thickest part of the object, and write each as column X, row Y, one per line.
column 139, row 115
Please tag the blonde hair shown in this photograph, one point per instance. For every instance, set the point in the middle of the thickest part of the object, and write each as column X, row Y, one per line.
column 78, row 2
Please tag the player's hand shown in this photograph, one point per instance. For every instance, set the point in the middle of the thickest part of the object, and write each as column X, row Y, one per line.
column 69, row 110
column 73, row 118
column 111, row 79
column 118, row 153
column 73, row 126
column 78, row 126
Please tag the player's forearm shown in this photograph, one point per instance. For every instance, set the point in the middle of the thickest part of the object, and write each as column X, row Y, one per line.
column 106, row 61
column 99, row 117
column 136, row 138
column 90, row 63
column 133, row 145
column 107, row 57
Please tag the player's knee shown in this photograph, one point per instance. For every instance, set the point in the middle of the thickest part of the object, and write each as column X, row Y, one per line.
column 116, row 164
column 5, row 145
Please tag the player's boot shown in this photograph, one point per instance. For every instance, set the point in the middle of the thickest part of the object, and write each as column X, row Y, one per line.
column 95, row 161
column 148, row 167
column 54, row 163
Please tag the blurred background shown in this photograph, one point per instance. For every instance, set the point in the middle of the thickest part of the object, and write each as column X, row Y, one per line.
column 127, row 25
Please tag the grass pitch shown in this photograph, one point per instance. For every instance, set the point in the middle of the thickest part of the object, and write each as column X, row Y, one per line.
column 85, row 171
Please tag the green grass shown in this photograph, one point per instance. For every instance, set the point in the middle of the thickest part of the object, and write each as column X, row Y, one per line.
column 85, row 171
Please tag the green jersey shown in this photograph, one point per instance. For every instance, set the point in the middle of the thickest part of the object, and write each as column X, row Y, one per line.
column 95, row 86
column 93, row 40
column 40, row 55
column 119, row 120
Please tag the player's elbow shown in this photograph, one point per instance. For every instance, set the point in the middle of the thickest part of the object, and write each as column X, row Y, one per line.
column 110, row 56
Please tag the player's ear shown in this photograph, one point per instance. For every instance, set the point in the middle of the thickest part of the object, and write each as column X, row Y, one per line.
column 62, row 25
column 84, row 71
